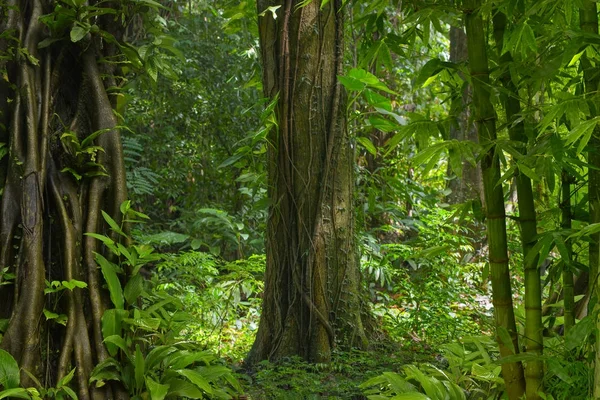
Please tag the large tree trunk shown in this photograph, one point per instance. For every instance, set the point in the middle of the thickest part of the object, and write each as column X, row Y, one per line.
column 468, row 186
column 311, row 285
column 485, row 117
column 45, row 211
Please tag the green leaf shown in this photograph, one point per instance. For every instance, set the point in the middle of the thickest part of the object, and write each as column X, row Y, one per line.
column 66, row 379
column 73, row 283
column 186, row 358
column 429, row 70
column 272, row 10
column 47, row 42
column 9, row 371
column 351, row 84
column 179, row 388
column 369, row 80
column 78, row 33
column 410, row 396
column 367, row 144
column 69, row 392
column 140, row 367
column 157, row 355
column 19, row 393
column 113, row 224
column 119, row 342
column 575, row 58
column 134, row 288
column 112, row 321
column 157, row 390
column 104, row 239
column 125, row 207
column 197, row 379
column 112, row 280
column 49, row 314
column 577, row 335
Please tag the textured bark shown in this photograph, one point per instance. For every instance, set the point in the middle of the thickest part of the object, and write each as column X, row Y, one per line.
column 311, row 285
column 588, row 19
column 485, row 118
column 469, row 186
column 45, row 211
column 534, row 369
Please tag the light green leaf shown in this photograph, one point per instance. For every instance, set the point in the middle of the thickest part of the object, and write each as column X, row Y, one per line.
column 66, row 379
column 78, row 33
column 575, row 58
column 272, row 10
column 367, row 144
column 73, row 283
column 113, row 224
column 9, row 371
column 112, row 280
column 157, row 390
column 119, row 342
column 19, row 393
column 197, row 379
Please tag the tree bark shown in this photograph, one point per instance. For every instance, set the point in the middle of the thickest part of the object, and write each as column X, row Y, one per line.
column 311, row 299
column 51, row 196
column 485, row 118
column 469, row 185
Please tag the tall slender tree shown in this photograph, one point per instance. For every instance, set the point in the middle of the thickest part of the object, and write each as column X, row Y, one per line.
column 311, row 297
column 485, row 118
column 588, row 19
column 534, row 369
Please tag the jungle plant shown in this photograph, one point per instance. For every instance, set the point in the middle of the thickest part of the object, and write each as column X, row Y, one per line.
column 10, row 383
column 471, row 371
column 142, row 332
column 223, row 298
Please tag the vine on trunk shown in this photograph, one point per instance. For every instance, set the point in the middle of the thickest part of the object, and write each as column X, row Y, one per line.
column 63, row 165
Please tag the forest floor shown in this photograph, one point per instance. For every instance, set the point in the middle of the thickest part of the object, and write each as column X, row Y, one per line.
column 293, row 378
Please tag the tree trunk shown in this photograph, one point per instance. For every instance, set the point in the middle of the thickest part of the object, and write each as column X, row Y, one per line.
column 534, row 369
column 468, row 186
column 485, row 118
column 567, row 273
column 311, row 297
column 588, row 19
column 52, row 195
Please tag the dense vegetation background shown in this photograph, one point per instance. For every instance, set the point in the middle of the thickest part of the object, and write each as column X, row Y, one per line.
column 299, row 199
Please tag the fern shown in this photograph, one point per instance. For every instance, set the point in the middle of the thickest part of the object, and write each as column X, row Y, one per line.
column 140, row 180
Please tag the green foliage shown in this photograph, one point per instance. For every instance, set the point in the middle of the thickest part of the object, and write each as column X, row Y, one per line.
column 222, row 298
column 471, row 372
column 10, row 382
column 142, row 332
column 410, row 302
column 293, row 378
column 190, row 126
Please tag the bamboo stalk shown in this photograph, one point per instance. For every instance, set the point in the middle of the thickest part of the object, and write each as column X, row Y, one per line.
column 485, row 117
column 588, row 20
column 567, row 273
column 534, row 369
